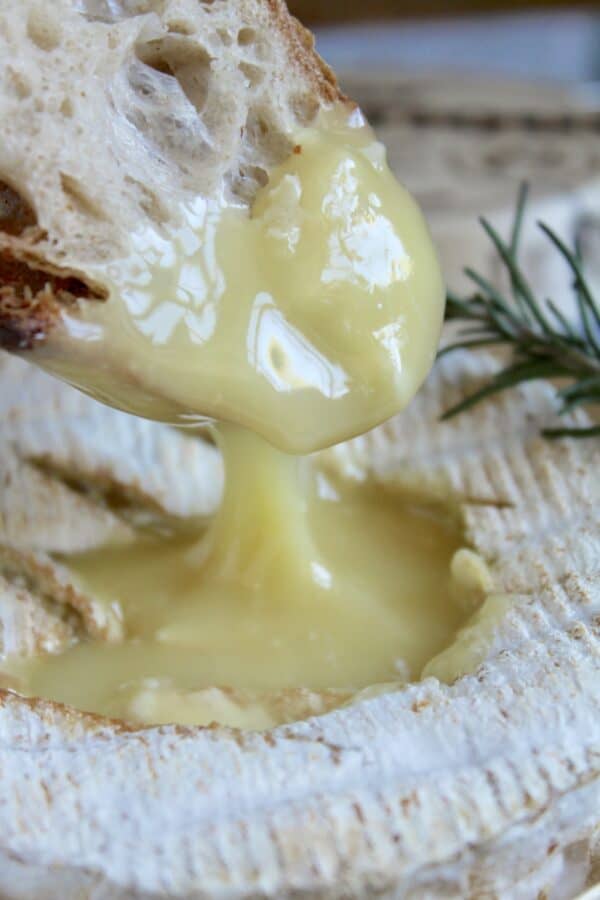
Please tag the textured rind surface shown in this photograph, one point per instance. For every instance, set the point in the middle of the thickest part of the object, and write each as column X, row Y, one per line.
column 489, row 787
column 59, row 478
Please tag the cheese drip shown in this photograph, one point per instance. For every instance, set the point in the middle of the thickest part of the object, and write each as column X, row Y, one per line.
column 308, row 320
column 301, row 580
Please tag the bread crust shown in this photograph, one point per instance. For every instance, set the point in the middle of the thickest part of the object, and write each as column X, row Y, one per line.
column 33, row 292
column 301, row 48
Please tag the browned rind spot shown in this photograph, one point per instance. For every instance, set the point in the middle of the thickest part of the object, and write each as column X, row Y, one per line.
column 410, row 802
column 297, row 149
column 359, row 813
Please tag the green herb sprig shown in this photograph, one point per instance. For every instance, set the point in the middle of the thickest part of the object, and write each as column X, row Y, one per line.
column 542, row 340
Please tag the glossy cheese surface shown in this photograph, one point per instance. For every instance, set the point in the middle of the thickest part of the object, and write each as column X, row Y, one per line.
column 302, row 580
column 308, row 319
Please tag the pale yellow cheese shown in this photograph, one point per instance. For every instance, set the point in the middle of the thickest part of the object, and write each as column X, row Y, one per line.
column 473, row 641
column 309, row 319
column 342, row 586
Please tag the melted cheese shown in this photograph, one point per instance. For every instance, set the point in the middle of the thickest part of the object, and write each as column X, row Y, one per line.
column 473, row 642
column 308, row 320
column 300, row 581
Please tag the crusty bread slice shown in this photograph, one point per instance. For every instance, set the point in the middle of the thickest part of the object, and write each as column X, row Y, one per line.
column 113, row 112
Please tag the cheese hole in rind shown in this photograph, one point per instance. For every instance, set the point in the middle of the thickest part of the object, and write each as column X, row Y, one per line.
column 358, row 591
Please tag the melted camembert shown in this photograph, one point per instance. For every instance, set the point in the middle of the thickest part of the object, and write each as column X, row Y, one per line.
column 306, row 320
column 303, row 579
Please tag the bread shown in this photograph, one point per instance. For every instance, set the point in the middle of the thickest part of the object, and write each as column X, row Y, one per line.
column 488, row 787
column 113, row 112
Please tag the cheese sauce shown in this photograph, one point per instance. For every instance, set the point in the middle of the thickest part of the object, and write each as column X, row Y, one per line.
column 302, row 580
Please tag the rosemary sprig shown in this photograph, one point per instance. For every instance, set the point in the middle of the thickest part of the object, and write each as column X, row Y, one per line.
column 542, row 340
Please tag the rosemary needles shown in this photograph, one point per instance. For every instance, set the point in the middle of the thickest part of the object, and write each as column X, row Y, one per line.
column 543, row 342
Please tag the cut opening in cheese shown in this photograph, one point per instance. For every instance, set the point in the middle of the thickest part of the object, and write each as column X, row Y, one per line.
column 303, row 580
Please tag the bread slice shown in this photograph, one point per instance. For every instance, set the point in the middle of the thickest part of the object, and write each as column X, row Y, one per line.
column 114, row 111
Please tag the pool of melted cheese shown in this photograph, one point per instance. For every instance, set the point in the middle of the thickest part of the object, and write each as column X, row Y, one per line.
column 343, row 587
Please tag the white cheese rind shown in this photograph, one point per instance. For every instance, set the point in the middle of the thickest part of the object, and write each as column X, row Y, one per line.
column 488, row 787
